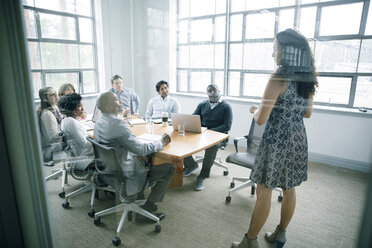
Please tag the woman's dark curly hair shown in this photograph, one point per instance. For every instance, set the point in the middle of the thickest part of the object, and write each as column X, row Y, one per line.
column 68, row 103
column 296, row 62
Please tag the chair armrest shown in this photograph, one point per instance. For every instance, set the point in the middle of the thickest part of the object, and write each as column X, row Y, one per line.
column 236, row 140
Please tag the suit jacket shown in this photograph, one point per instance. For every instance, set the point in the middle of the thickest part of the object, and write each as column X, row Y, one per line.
column 115, row 132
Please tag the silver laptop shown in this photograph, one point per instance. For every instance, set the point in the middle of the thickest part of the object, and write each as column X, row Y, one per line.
column 192, row 122
column 89, row 125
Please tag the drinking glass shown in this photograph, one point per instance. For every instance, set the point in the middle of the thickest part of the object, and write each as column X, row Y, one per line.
column 181, row 129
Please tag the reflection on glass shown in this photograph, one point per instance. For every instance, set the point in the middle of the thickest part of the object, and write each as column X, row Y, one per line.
column 219, row 80
column 363, row 93
column 258, row 56
column 55, row 80
column 236, row 27
column 201, row 56
column 183, row 56
column 84, row 7
column 89, row 82
column 237, row 5
column 307, row 21
column 220, row 6
column 286, row 19
column 368, row 30
column 219, row 56
column 182, row 80
column 219, row 28
column 183, row 6
column 333, row 90
column 30, row 24
column 199, row 80
column 234, row 83
column 34, row 55
column 201, row 30
column 59, row 56
column 36, row 82
column 57, row 27
column 85, row 30
column 365, row 59
column 260, row 25
column 254, row 84
column 259, row 4
column 28, row 2
column 155, row 18
column 337, row 56
column 333, row 19
column 58, row 5
column 200, row 8
column 86, row 56
column 183, row 30
column 236, row 56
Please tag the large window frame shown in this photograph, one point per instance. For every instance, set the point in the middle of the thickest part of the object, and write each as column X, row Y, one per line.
column 81, row 84
column 231, row 73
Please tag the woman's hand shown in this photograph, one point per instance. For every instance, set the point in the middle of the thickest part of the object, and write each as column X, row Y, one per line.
column 253, row 108
column 126, row 112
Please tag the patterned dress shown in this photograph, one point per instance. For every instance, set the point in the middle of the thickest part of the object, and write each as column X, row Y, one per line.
column 282, row 156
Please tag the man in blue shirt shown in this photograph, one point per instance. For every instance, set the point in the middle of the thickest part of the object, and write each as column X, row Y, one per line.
column 127, row 97
column 215, row 114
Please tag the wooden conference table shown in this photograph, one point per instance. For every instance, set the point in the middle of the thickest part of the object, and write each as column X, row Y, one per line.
column 180, row 147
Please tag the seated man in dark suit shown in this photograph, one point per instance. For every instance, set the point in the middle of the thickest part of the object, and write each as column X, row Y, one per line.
column 111, row 130
column 215, row 114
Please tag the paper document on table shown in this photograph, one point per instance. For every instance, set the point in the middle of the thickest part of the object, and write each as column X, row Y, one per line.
column 151, row 137
column 137, row 121
column 89, row 125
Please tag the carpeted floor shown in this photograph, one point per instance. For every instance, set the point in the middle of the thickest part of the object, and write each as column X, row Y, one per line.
column 328, row 213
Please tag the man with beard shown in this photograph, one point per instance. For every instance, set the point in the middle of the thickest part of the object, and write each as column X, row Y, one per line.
column 113, row 131
column 215, row 114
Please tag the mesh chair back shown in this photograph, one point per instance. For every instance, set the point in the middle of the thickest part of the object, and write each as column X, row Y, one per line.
column 255, row 136
column 106, row 159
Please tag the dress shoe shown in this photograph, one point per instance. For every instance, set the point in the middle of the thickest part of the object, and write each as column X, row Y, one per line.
column 187, row 171
column 143, row 219
column 199, row 185
column 278, row 236
column 246, row 243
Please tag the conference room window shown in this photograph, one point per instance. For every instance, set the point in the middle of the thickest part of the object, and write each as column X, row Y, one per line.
column 342, row 47
column 61, row 44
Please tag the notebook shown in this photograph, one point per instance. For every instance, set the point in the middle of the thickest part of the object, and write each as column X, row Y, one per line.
column 192, row 122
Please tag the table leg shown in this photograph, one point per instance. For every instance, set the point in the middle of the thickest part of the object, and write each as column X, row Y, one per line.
column 177, row 179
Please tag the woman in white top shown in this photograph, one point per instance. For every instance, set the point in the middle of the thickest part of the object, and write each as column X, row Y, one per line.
column 72, row 107
column 49, row 121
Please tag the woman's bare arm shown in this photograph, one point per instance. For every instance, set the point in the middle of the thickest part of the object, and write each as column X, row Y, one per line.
column 309, row 109
column 273, row 89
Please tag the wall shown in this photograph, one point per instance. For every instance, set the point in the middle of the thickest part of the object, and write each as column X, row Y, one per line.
column 334, row 138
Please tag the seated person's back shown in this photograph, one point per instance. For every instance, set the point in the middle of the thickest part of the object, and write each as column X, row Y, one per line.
column 72, row 107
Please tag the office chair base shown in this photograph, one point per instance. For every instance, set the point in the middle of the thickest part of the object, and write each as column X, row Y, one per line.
column 217, row 162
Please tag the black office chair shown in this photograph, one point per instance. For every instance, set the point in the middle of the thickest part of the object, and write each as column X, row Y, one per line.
column 246, row 159
column 222, row 145
column 109, row 173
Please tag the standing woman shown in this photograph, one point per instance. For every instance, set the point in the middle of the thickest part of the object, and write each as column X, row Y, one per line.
column 282, row 156
column 49, row 121
column 72, row 107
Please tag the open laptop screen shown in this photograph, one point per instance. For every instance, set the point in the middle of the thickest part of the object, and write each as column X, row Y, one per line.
column 191, row 122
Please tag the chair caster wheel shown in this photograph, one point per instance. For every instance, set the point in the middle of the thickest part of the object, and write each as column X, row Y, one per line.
column 225, row 173
column 65, row 204
column 228, row 199
column 116, row 241
column 91, row 213
column 232, row 185
column 280, row 198
column 97, row 222
column 62, row 194
column 157, row 228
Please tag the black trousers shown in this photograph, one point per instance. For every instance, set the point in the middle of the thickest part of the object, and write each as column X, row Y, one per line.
column 209, row 157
